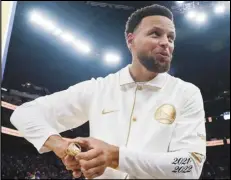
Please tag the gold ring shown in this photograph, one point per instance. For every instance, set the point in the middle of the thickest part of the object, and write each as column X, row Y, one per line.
column 73, row 149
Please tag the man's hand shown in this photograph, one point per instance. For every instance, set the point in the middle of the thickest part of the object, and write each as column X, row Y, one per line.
column 99, row 155
column 73, row 165
column 59, row 146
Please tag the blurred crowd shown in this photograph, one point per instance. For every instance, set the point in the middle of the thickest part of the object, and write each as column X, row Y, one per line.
column 217, row 165
column 23, row 164
column 32, row 166
column 20, row 159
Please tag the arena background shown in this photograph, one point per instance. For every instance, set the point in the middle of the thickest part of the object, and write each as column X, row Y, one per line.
column 43, row 58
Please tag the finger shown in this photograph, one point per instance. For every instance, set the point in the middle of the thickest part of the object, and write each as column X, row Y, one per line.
column 77, row 174
column 91, row 154
column 73, row 167
column 94, row 172
column 85, row 165
column 69, row 158
column 70, row 161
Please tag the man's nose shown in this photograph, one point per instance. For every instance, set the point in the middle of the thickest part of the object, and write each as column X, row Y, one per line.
column 164, row 42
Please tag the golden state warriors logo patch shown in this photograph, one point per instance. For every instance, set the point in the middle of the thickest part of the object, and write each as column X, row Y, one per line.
column 166, row 114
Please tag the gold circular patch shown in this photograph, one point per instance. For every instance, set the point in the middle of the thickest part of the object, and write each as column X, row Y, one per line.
column 166, row 114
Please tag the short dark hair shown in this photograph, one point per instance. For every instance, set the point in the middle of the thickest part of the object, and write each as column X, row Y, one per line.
column 136, row 17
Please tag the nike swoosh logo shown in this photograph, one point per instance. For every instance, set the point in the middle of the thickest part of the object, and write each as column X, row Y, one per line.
column 106, row 112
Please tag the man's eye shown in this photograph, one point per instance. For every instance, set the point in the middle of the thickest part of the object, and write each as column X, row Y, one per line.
column 155, row 34
column 171, row 39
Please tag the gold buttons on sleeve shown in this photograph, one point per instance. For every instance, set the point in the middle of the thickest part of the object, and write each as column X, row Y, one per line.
column 134, row 119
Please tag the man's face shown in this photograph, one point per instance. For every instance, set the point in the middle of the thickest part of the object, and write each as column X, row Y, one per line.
column 153, row 43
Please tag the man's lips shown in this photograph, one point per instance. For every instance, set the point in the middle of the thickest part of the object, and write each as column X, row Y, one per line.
column 162, row 57
column 165, row 54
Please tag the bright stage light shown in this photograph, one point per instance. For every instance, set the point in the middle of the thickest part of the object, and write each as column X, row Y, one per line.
column 219, row 8
column 201, row 18
column 226, row 115
column 111, row 58
column 57, row 32
column 82, row 46
column 66, row 37
column 48, row 25
column 197, row 17
column 191, row 14
column 35, row 17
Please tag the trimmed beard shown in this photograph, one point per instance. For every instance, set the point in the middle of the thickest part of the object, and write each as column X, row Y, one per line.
column 153, row 65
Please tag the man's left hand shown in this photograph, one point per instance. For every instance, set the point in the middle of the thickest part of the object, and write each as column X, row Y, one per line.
column 97, row 158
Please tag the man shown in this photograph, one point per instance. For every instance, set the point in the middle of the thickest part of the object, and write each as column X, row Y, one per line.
column 144, row 123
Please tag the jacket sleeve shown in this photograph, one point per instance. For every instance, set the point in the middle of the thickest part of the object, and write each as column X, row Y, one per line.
column 53, row 114
column 187, row 149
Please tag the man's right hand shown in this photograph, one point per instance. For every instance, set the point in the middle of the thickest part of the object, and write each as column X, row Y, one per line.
column 59, row 146
column 72, row 164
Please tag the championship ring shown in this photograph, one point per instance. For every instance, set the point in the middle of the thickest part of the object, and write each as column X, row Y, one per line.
column 73, row 149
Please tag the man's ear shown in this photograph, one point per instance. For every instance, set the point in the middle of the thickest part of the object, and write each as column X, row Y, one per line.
column 130, row 39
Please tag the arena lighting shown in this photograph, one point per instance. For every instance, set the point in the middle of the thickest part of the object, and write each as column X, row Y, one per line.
column 67, row 37
column 112, row 58
column 219, row 8
column 57, row 32
column 48, row 25
column 196, row 16
column 82, row 46
column 191, row 14
column 180, row 2
column 226, row 115
column 37, row 18
column 201, row 17
column 4, row 89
